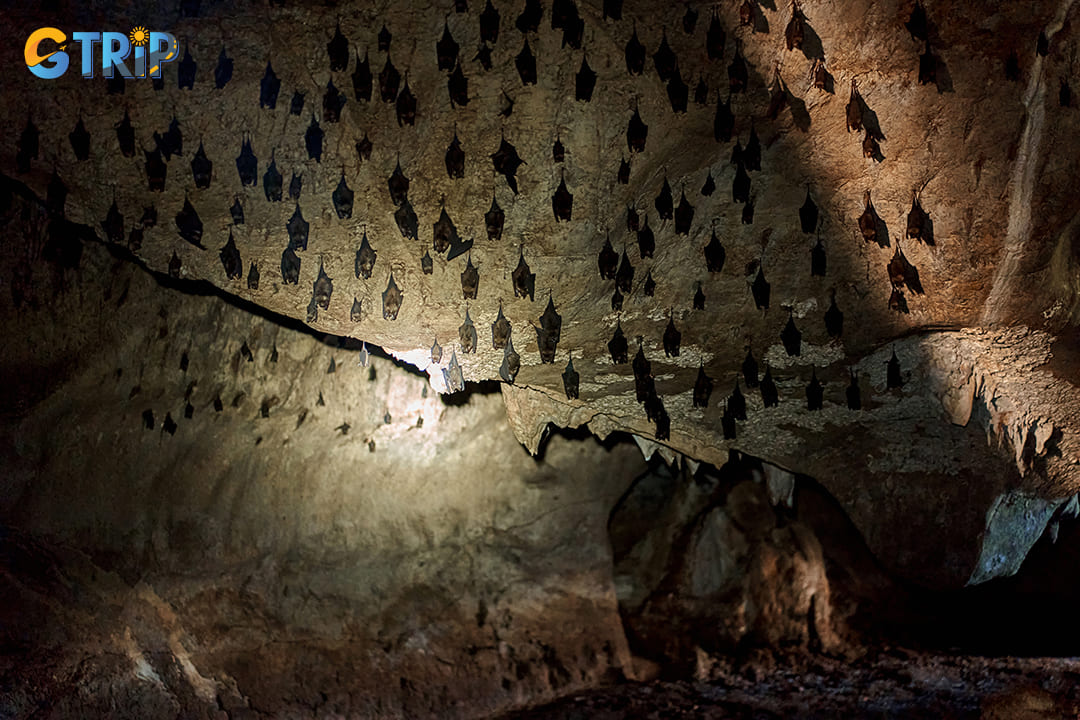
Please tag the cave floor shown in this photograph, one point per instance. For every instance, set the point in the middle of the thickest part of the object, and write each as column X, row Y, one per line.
column 891, row 683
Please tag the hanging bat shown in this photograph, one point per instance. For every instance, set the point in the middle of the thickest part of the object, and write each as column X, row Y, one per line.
column 149, row 217
column 623, row 176
column 406, row 106
column 778, row 97
column 917, row 22
column 185, row 71
column 489, row 24
column 548, row 334
column 689, row 21
column 608, row 261
column 738, row 74
column 452, row 375
column 135, row 239
column 740, row 186
column 791, row 337
column 632, row 219
column 928, row 67
column 635, row 54
column 174, row 265
column 201, row 168
column 407, row 222
column 470, row 280
column 795, row 31
column 736, row 403
column 290, row 266
column 223, row 71
column 871, row 149
column 748, row 212
column 616, row 301
column 113, row 225
column 511, row 363
column 525, row 62
column 643, row 379
column 624, row 278
column 338, row 51
column 815, row 393
column 506, row 162
column 342, row 198
column 500, row 330
column 365, row 258
column 701, row 92
column 613, row 9
column 723, row 121
column 664, row 59
column 617, row 346
column 820, row 78
column 312, row 311
column 436, row 352
column 323, row 288
column 868, row 219
column 699, row 298
column 444, row 232
column 506, row 104
column 678, row 91
column 356, row 310
column 1064, row 94
column 455, row 159
column 897, row 269
column 715, row 38
column 584, row 82
column 253, row 277
column 703, row 387
column 313, row 140
column 834, row 319
column 155, row 170
column 893, row 379
column 296, row 184
column 818, row 260
column 664, row 202
column 529, row 19
column 237, row 211
column 751, row 155
column 398, row 185
column 426, row 263
column 524, row 281
column 297, row 227
column 684, row 216
column 384, row 39
column 750, row 369
column 389, row 81
column 80, row 141
column 710, row 185
column 391, row 299
column 446, row 49
column 854, row 109
column 494, row 219
column 727, row 420
column 558, row 152
column 570, row 378
column 663, row 423
column 362, row 79
column 760, row 289
column 272, row 180
column 467, row 334
column 672, row 338
column 230, row 259
column 649, row 287
column 916, row 219
column 247, row 165
column 854, row 396
column 636, row 133
column 770, row 397
column 363, row 148
column 125, row 136
column 334, row 102
column 269, row 87
column 808, row 214
column 148, row 419
column 562, row 202
column 188, row 224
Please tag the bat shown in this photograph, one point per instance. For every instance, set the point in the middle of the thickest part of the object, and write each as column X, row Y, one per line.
column 511, row 363
column 795, row 32
column 778, row 98
column 760, row 289
column 272, row 180
column 230, row 259
column 455, row 159
column 633, row 222
column 664, row 202
column 714, row 254
column 549, row 333
column 710, row 185
column 356, row 310
column 820, row 75
column 854, row 109
column 436, row 352
column 637, row 132
column 664, row 59
column 297, row 227
column 506, row 104
column 529, row 19
column 678, row 91
column 483, row 55
column 245, row 352
column 699, row 298
column 815, row 393
column 174, row 265
column 740, row 186
column 313, row 140
column 494, row 219
column 452, row 375
column 247, row 165
column 398, row 185
column 770, row 396
column 893, row 379
column 672, row 338
column 489, row 24
column 917, row 22
column 125, row 136
column 736, row 403
column 363, row 148
column 738, row 75
column 643, row 379
column 818, row 260
column 290, row 266
column 342, row 198
column 897, row 269
column 406, row 106
column 570, row 378
column 80, row 141
column 172, row 142
column 928, row 67
column 562, row 202
column 623, row 175
column 1064, row 94
column 312, row 311
column 391, row 299
column 715, row 38
column 646, row 240
column 223, row 71
column 185, row 71
column 458, row 86
column 613, row 9
column 253, row 277
column 334, row 102
column 188, row 224
column 723, row 120
column 525, row 62
column 149, row 217
column 237, row 211
column 365, row 258
column 446, row 49
column 808, row 214
column 663, row 422
column 148, row 419
column 506, row 162
column 523, row 279
column 649, row 287
column 269, row 87
column 323, row 288
column 751, row 155
column 617, row 346
column 916, row 219
column 406, row 220
column 684, row 216
column 500, row 330
column 201, row 168
column 702, row 388
column 362, row 79
column 113, row 224
column 701, row 92
column 384, row 39
column 338, row 51
column 427, row 265
column 834, row 319
column 470, row 280
column 608, row 261
column 389, row 81
column 750, row 368
column 868, row 219
column 558, row 152
column 616, row 301
column 585, row 81
column 296, row 184
column 135, row 239
column 791, row 337
column 854, row 396
column 155, row 170
column 727, row 423
column 689, row 21
column 871, row 149
column 444, row 232
column 624, row 278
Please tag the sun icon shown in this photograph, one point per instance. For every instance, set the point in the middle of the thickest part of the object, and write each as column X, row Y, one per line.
column 139, row 36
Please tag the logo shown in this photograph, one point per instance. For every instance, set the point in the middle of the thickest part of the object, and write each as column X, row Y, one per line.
column 47, row 52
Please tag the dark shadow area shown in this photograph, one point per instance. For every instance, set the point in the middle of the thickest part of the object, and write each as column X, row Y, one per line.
column 811, row 44
column 462, row 398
